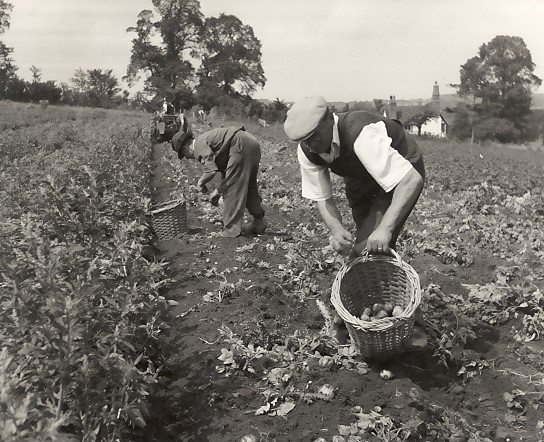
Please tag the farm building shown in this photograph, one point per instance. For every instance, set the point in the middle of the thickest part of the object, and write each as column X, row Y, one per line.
column 411, row 116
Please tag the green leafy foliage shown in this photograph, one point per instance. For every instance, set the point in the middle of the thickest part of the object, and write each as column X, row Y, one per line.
column 498, row 81
column 80, row 309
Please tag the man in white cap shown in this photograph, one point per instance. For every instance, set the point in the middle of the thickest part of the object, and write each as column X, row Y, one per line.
column 382, row 167
column 235, row 154
column 383, row 172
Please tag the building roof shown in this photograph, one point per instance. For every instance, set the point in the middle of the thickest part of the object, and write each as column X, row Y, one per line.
column 406, row 113
column 448, row 117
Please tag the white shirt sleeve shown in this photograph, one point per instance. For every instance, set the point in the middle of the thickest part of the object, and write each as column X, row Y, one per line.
column 385, row 164
column 316, row 181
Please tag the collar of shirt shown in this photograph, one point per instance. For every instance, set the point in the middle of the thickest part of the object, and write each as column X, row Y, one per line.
column 193, row 149
column 334, row 152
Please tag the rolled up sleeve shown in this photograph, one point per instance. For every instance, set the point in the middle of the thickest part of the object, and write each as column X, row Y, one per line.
column 383, row 163
column 316, row 180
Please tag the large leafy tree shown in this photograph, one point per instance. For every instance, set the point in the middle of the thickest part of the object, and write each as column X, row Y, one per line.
column 231, row 56
column 498, row 84
column 162, row 49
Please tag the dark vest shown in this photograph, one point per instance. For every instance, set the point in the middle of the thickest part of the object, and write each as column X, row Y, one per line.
column 350, row 125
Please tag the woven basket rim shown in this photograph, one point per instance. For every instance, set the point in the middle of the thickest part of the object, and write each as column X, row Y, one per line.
column 167, row 205
column 376, row 324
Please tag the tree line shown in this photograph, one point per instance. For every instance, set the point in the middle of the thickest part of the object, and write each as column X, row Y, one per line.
column 495, row 96
column 191, row 60
column 92, row 87
column 177, row 54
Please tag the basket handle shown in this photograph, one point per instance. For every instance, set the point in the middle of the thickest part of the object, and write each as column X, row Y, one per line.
column 395, row 255
column 166, row 203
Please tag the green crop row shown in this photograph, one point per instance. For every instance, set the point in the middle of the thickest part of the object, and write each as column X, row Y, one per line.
column 80, row 310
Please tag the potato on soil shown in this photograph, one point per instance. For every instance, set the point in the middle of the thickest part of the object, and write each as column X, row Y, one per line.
column 367, row 311
column 365, row 317
column 397, row 311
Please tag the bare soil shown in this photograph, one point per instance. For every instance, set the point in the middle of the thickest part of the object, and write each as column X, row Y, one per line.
column 194, row 401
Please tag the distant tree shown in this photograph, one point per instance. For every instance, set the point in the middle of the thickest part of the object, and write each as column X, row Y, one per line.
column 102, row 83
column 163, row 49
column 95, row 87
column 275, row 111
column 231, row 56
column 465, row 118
column 8, row 70
column 48, row 90
column 360, row 105
column 208, row 94
column 5, row 9
column 462, row 126
column 16, row 89
column 255, row 109
column 535, row 125
column 421, row 117
column 378, row 104
column 7, row 66
column 36, row 73
column 498, row 84
column 499, row 129
column 139, row 101
column 37, row 90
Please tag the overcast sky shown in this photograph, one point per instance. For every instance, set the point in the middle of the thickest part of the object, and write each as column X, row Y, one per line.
column 342, row 49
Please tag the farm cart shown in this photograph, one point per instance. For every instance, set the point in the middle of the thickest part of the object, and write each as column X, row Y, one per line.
column 163, row 127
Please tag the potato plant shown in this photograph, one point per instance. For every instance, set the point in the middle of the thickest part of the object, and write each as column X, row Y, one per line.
column 80, row 310
column 84, row 303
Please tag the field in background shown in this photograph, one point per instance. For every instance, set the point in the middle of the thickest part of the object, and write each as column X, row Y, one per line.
column 107, row 332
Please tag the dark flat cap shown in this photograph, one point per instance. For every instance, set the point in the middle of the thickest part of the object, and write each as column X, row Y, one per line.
column 304, row 117
column 178, row 139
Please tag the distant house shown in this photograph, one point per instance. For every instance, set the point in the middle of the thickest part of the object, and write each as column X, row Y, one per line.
column 410, row 115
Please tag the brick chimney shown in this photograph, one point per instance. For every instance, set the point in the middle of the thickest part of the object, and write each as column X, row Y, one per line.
column 435, row 100
column 392, row 107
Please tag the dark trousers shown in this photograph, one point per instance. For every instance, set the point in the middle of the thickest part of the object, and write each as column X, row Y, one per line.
column 239, row 186
column 369, row 202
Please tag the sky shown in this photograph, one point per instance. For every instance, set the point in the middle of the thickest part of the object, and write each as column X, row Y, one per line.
column 344, row 50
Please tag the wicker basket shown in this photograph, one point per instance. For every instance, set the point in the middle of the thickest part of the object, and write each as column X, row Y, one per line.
column 169, row 219
column 370, row 279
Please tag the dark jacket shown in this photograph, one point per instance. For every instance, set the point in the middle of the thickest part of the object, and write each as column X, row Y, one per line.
column 212, row 148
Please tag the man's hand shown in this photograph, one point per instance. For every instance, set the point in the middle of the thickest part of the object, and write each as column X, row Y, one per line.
column 341, row 241
column 379, row 240
column 202, row 187
column 214, row 198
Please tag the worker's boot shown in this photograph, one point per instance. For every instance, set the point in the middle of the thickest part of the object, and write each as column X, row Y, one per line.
column 233, row 232
column 256, row 227
column 420, row 340
column 338, row 330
